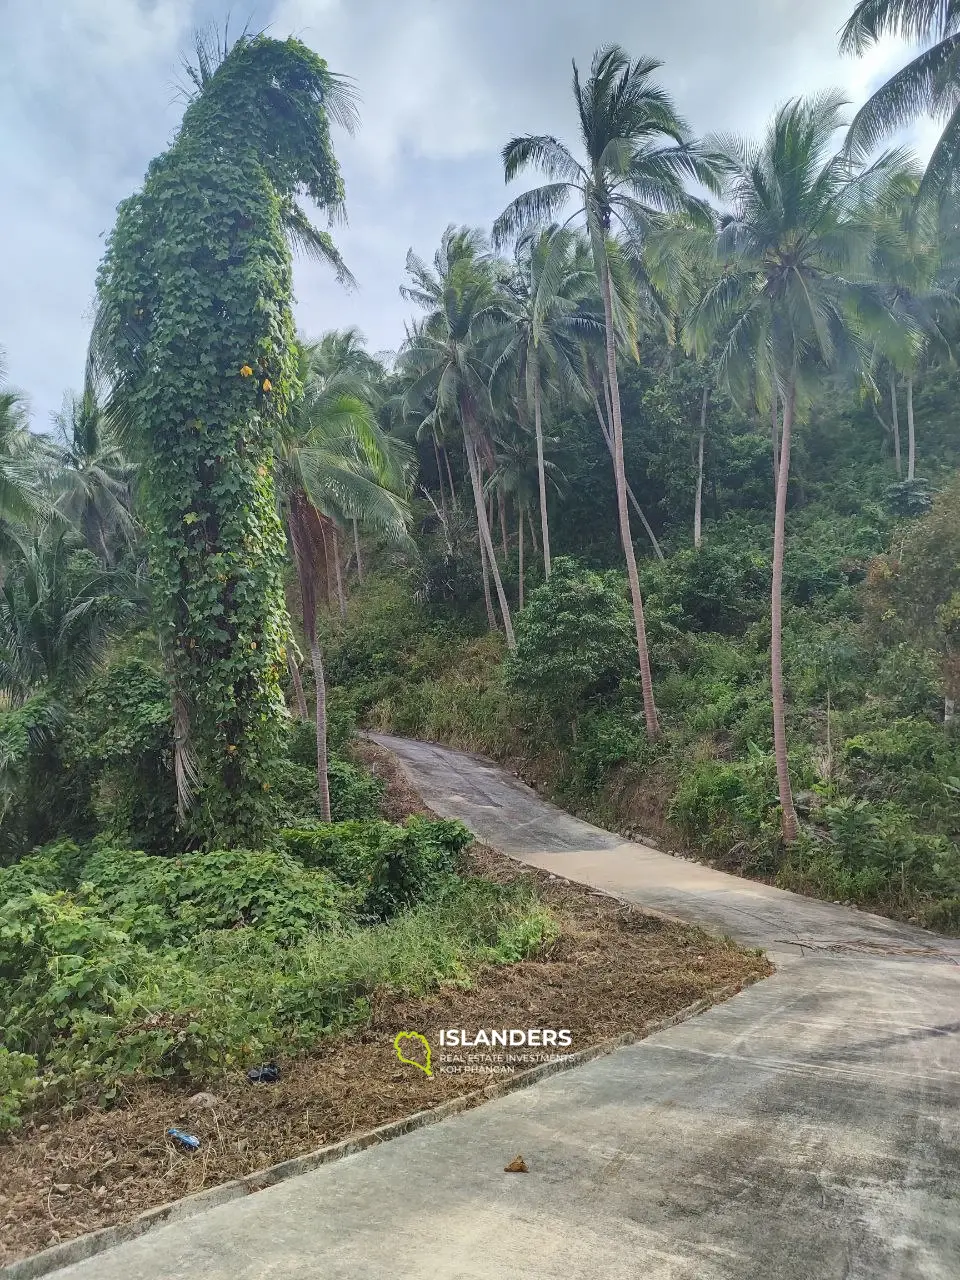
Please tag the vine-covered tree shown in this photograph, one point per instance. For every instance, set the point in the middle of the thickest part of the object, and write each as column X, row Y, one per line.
column 195, row 336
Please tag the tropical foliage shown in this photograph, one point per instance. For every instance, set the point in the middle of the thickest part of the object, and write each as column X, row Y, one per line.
column 657, row 500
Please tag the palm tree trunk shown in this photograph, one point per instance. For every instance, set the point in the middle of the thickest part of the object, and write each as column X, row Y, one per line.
column 436, row 454
column 657, row 549
column 473, row 462
column 520, row 553
column 533, row 530
column 308, row 537
column 487, row 597
column 316, row 660
column 646, row 679
column 788, row 813
column 698, row 502
column 502, row 509
column 911, row 434
column 541, row 469
column 356, row 548
column 775, row 425
column 297, row 683
column 341, row 598
column 896, row 425
column 453, row 492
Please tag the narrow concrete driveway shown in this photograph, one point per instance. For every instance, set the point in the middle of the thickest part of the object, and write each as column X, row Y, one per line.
column 808, row 1129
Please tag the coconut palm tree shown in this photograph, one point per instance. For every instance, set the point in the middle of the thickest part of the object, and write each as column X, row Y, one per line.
column 928, row 85
column 445, row 359
column 519, row 469
column 89, row 475
column 59, row 607
column 794, row 298
column 332, row 463
column 539, row 344
column 21, row 493
column 638, row 156
column 915, row 260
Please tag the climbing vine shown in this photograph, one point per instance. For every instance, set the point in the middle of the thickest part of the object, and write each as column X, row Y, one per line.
column 195, row 334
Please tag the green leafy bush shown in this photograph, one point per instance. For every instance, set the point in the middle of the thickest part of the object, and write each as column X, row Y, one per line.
column 574, row 642
column 718, row 804
column 18, row 1086
column 354, row 793
column 391, row 866
column 119, row 741
column 170, row 900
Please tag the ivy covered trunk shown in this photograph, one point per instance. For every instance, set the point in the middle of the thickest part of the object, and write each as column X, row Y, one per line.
column 195, row 333
column 201, row 261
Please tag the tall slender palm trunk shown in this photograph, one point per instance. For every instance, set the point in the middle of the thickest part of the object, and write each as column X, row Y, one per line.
column 698, row 501
column 911, row 433
column 483, row 524
column 356, row 550
column 541, row 468
column 502, row 512
column 646, row 679
column 487, row 597
column 446, row 459
column 895, row 410
column 775, row 436
column 341, row 598
column 316, row 661
column 436, row 454
column 309, row 539
column 520, row 552
column 298, row 694
column 788, row 813
column 608, row 440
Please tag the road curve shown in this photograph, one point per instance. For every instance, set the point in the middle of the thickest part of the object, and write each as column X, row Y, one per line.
column 808, row 1129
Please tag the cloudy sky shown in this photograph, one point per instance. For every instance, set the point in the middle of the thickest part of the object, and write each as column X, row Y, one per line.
column 88, row 94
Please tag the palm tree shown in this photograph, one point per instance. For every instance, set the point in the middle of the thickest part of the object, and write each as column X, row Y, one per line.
column 638, row 156
column 59, row 608
column 331, row 462
column 90, row 476
column 21, row 494
column 793, row 299
column 539, row 341
column 444, row 359
column 915, row 260
column 519, row 466
column 927, row 85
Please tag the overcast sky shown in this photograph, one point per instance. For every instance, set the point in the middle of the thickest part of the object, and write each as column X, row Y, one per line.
column 88, row 94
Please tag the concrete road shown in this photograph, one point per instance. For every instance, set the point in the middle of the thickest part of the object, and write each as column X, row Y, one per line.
column 808, row 1129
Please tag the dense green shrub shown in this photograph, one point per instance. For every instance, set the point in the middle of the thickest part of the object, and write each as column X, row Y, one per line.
column 907, row 760
column 390, row 866
column 18, row 1086
column 720, row 804
column 574, row 642
column 170, row 900
column 872, row 852
column 354, row 793
column 93, row 1005
column 721, row 587
column 119, row 742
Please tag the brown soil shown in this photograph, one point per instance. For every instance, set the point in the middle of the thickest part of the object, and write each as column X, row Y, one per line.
column 612, row 969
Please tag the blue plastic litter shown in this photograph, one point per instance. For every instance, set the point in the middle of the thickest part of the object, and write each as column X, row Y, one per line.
column 185, row 1139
